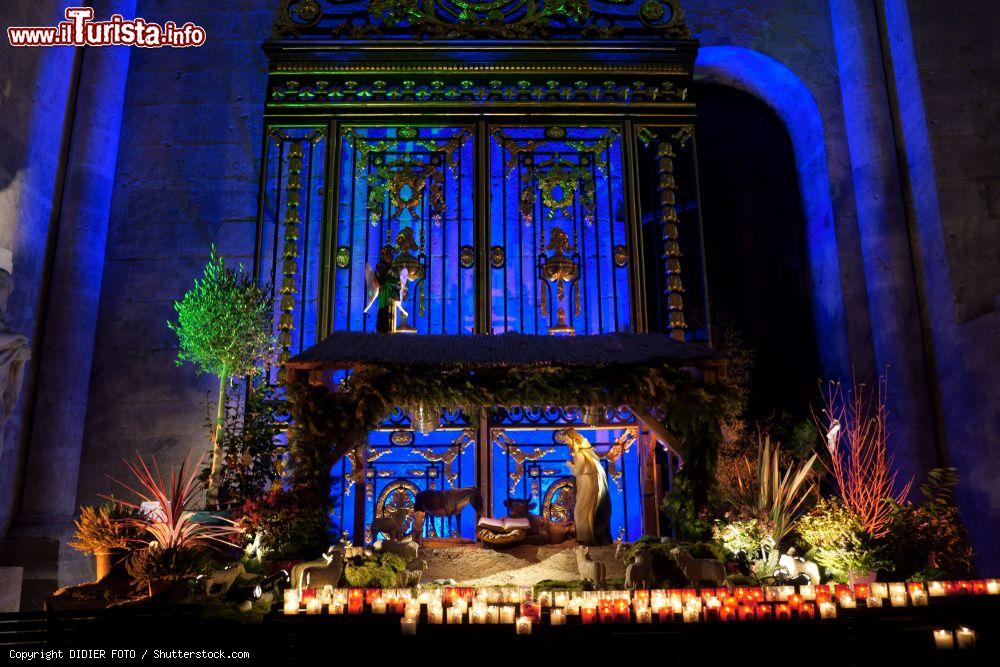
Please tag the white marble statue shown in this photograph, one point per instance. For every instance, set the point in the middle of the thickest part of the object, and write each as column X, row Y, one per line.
column 592, row 511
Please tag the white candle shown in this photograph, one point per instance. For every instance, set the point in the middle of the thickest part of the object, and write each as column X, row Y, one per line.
column 557, row 617
column 560, row 599
column 878, row 590
column 874, row 602
column 993, row 586
column 291, row 600
column 314, row 606
column 545, row 599
column 435, row 613
column 964, row 638
column 507, row 615
column 408, row 626
column 808, row 592
column 378, row 606
column 336, row 607
column 827, row 610
column 898, row 599
column 944, row 640
column 493, row 614
column 691, row 614
column 524, row 625
column 847, row 601
column 643, row 615
column 455, row 616
column 919, row 598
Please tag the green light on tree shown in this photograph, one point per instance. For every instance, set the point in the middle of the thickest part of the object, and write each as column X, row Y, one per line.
column 223, row 327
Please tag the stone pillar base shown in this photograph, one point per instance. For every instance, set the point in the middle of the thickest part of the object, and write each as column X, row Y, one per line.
column 10, row 589
column 38, row 549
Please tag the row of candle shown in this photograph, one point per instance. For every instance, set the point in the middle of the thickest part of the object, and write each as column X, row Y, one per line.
column 380, row 601
column 961, row 638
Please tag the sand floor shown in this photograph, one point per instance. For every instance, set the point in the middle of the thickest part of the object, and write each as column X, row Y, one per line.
column 474, row 565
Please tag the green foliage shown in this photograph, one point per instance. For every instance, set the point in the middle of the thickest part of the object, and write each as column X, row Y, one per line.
column 930, row 537
column 104, row 528
column 689, row 520
column 782, row 496
column 839, row 543
column 251, row 455
column 224, row 322
column 559, row 585
column 155, row 563
column 291, row 524
column 746, row 537
column 377, row 570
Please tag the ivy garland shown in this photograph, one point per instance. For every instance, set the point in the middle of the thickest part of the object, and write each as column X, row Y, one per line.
column 328, row 424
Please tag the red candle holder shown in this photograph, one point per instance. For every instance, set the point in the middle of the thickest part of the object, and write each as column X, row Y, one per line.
column 357, row 606
column 398, row 606
column 589, row 614
column 912, row 586
column 727, row 614
column 746, row 613
column 794, row 601
column 371, row 594
column 807, row 610
column 757, row 594
column 665, row 614
column 688, row 594
column 979, row 587
column 307, row 594
column 606, row 614
column 532, row 610
column 764, row 612
column 862, row 591
column 783, row 612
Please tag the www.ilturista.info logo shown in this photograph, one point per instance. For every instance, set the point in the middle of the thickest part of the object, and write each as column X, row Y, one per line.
column 80, row 29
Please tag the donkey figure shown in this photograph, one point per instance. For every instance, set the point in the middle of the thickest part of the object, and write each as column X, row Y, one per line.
column 448, row 504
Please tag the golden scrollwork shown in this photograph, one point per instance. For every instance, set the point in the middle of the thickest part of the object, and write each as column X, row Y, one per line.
column 449, row 456
column 520, row 456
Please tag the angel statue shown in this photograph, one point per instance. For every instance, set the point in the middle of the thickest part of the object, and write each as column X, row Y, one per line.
column 384, row 284
column 592, row 512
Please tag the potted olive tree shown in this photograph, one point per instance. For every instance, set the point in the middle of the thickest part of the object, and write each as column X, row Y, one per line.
column 224, row 328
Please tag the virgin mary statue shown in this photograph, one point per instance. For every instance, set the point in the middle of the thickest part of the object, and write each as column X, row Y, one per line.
column 592, row 512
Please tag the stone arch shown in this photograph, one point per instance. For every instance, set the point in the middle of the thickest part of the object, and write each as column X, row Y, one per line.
column 780, row 89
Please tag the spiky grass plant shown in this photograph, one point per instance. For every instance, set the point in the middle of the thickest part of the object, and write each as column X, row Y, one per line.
column 782, row 494
column 172, row 525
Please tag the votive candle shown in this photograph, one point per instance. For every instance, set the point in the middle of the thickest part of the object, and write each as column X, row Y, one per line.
column 965, row 638
column 408, row 626
column 378, row 606
column 827, row 610
column 314, row 606
column 944, row 640
column 936, row 589
column 455, row 616
column 588, row 615
column 643, row 615
column 524, row 625
column 993, row 586
column 557, row 617
column 874, row 601
column 783, row 612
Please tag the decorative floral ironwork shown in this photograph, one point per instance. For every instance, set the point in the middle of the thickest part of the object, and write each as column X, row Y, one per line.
column 468, row 19
column 448, row 457
column 520, row 456
column 560, row 497
column 321, row 91
column 622, row 444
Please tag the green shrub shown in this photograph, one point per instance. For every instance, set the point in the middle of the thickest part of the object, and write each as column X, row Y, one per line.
column 155, row 563
column 374, row 571
column 839, row 543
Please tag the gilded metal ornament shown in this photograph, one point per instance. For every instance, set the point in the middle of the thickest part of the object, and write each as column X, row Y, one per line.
column 560, row 497
column 343, row 257
column 498, row 257
column 520, row 456
column 466, row 257
column 448, row 457
column 620, row 256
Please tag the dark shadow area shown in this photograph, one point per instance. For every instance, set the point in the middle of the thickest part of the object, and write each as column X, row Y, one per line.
column 755, row 246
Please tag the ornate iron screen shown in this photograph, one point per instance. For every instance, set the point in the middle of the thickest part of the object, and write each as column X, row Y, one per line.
column 511, row 166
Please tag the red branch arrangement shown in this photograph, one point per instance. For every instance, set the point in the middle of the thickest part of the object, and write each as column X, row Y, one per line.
column 173, row 524
column 857, row 441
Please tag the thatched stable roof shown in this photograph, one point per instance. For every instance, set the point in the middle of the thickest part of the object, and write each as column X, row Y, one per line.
column 352, row 349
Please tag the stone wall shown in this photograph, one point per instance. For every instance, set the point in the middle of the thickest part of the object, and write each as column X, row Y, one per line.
column 34, row 89
column 187, row 178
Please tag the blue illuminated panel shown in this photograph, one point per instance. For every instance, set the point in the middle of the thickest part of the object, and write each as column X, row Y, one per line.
column 415, row 178
column 529, row 464
column 402, row 463
column 558, row 189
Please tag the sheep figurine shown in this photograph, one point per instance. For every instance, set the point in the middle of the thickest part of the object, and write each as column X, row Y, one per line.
column 324, row 570
column 792, row 567
column 698, row 570
column 639, row 572
column 590, row 570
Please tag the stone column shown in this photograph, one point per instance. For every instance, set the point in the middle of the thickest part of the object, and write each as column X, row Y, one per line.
column 66, row 350
column 896, row 317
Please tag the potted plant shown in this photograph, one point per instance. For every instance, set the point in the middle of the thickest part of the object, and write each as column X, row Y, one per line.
column 101, row 533
column 175, row 544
